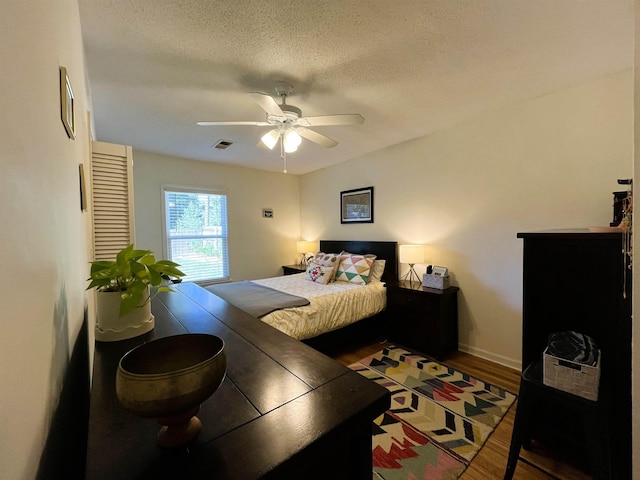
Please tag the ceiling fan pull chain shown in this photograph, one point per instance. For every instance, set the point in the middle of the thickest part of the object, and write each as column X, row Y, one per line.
column 283, row 155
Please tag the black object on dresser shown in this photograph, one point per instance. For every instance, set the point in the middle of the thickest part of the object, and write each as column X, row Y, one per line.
column 578, row 280
column 291, row 269
column 423, row 318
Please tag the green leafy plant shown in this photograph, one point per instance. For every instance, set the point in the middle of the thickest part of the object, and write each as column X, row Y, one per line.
column 131, row 273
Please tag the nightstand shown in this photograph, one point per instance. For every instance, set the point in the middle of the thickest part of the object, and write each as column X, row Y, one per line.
column 423, row 318
column 291, row 269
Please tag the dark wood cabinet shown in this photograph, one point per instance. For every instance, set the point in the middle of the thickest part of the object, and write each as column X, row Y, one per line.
column 578, row 280
column 291, row 269
column 423, row 318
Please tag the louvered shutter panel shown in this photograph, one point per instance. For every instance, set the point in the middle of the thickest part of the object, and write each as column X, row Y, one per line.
column 112, row 182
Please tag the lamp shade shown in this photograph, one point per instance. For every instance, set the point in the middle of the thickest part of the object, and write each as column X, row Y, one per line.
column 291, row 141
column 306, row 247
column 270, row 139
column 411, row 254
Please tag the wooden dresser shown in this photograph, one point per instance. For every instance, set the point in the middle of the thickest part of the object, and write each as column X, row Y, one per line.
column 577, row 280
column 284, row 410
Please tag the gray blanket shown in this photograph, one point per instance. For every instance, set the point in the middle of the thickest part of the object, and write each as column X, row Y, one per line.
column 256, row 300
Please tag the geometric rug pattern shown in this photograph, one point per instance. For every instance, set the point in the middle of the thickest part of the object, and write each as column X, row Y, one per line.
column 438, row 420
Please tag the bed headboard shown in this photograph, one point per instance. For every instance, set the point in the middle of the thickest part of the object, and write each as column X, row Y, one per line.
column 383, row 250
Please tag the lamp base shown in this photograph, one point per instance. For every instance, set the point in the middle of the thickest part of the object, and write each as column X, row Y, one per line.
column 304, row 261
column 410, row 274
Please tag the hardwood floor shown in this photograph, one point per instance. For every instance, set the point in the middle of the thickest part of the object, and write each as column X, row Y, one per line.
column 491, row 461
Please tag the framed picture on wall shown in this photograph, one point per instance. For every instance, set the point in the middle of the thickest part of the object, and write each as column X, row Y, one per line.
column 83, row 188
column 67, row 110
column 356, row 206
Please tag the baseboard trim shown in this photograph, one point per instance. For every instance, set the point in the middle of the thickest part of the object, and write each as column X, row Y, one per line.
column 492, row 357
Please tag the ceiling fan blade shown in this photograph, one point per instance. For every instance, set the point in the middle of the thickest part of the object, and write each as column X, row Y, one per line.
column 342, row 119
column 255, row 124
column 316, row 137
column 267, row 103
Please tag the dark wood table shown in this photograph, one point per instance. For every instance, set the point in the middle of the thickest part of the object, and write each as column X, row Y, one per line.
column 283, row 411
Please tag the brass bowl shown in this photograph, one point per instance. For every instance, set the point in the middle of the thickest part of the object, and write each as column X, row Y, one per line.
column 169, row 378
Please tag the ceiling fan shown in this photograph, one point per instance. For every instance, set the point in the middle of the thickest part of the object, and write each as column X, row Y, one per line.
column 289, row 126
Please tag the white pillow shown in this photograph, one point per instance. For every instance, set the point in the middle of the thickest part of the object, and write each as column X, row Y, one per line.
column 377, row 269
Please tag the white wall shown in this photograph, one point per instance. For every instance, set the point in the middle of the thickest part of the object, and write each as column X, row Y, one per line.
column 551, row 162
column 258, row 246
column 44, row 251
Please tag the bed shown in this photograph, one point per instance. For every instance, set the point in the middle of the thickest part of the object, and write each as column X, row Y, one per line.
column 307, row 309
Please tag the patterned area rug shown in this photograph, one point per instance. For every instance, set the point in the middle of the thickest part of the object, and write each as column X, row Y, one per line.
column 438, row 420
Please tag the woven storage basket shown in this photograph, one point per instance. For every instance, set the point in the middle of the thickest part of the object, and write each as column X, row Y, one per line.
column 435, row 281
column 571, row 377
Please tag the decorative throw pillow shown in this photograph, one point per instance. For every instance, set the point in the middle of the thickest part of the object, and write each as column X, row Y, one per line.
column 377, row 269
column 318, row 273
column 355, row 269
column 327, row 260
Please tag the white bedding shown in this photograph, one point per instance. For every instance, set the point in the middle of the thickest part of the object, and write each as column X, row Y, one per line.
column 332, row 306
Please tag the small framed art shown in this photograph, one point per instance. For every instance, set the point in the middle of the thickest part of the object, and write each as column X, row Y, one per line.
column 83, row 188
column 356, row 206
column 67, row 110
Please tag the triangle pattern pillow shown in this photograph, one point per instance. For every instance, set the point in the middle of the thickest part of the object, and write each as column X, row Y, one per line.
column 355, row 269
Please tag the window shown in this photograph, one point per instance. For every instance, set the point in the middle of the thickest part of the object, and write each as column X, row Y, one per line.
column 196, row 232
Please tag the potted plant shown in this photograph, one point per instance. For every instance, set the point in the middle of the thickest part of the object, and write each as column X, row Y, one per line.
column 123, row 289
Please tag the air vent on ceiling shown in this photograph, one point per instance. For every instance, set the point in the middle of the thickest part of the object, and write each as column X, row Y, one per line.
column 222, row 144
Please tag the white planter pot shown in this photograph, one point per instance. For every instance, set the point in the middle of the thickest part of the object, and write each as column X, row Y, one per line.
column 111, row 327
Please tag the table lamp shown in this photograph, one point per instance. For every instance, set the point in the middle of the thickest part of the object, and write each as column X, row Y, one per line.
column 305, row 248
column 411, row 254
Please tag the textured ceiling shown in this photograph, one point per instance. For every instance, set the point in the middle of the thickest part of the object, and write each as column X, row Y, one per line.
column 156, row 67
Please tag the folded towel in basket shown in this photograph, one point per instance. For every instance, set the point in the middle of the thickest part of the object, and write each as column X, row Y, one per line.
column 573, row 346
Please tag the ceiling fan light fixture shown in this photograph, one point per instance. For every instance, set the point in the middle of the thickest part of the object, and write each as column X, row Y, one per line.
column 292, row 141
column 288, row 125
column 270, row 139
column 290, row 149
